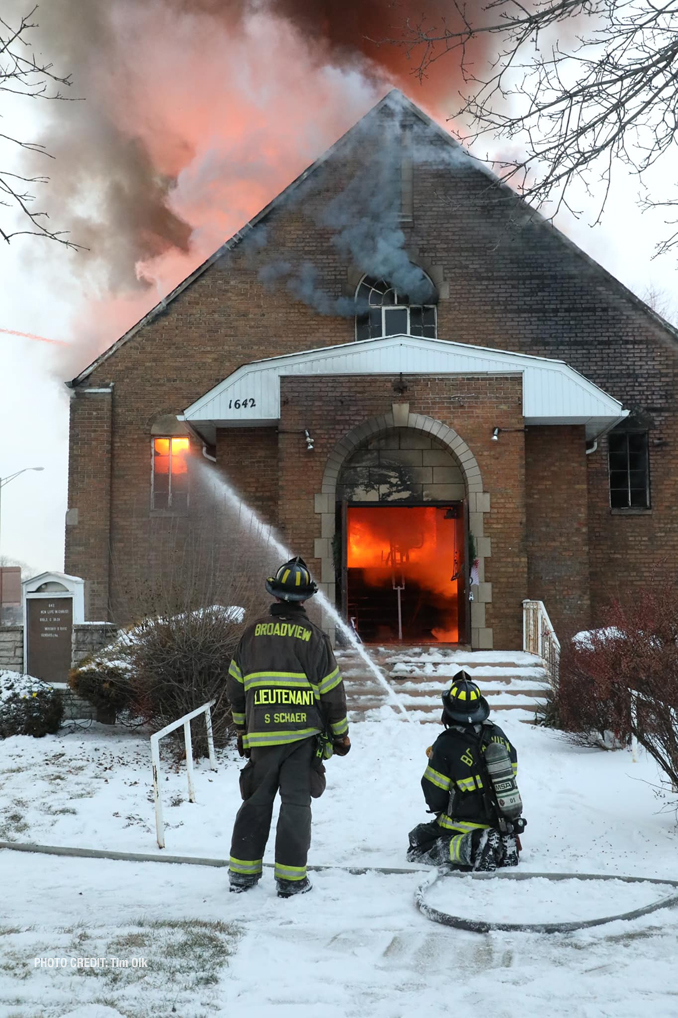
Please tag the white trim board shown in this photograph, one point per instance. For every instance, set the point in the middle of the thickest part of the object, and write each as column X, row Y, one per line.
column 553, row 392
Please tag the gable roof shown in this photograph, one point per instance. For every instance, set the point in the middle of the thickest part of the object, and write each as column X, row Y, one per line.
column 395, row 100
column 553, row 392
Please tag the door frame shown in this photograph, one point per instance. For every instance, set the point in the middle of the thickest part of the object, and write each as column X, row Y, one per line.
column 464, row 580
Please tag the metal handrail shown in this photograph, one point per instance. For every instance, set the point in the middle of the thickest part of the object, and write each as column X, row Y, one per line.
column 539, row 637
column 188, row 745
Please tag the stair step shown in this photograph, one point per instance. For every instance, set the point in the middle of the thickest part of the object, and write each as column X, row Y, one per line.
column 431, row 709
column 417, row 675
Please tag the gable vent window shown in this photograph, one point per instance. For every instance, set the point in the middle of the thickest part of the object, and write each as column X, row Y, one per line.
column 385, row 311
column 170, row 473
column 629, row 470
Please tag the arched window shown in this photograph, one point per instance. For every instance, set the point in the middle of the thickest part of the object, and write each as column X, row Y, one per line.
column 385, row 311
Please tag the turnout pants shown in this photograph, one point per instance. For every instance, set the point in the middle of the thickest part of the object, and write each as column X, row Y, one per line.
column 271, row 769
column 431, row 844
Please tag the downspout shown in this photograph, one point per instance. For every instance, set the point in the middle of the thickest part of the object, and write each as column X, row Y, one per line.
column 207, row 456
column 593, row 447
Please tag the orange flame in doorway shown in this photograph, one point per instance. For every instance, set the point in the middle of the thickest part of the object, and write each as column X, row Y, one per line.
column 413, row 547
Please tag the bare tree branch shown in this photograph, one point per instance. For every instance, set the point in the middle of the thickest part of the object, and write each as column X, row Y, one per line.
column 22, row 75
column 575, row 110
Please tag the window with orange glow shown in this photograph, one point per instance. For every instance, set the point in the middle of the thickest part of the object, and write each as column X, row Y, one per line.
column 170, row 473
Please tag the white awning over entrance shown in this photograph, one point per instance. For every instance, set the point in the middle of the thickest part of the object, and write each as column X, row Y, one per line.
column 553, row 392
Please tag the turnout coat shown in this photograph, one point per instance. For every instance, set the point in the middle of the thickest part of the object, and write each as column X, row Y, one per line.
column 284, row 683
column 456, row 781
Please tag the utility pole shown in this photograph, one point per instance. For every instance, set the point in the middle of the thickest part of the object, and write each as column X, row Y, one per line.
column 3, row 482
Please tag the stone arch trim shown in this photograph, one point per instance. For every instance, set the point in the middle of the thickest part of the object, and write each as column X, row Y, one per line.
column 478, row 503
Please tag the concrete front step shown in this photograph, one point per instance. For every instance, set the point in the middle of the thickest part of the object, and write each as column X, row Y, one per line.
column 356, row 713
column 357, row 691
column 510, row 681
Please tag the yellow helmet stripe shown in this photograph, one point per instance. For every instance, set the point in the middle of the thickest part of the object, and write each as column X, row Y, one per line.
column 285, row 575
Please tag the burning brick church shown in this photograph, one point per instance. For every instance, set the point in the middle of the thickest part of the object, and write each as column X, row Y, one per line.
column 440, row 402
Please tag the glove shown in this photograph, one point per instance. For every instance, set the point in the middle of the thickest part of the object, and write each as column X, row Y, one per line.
column 241, row 749
column 342, row 746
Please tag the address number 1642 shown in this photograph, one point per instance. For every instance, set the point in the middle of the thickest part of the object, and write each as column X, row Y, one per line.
column 241, row 404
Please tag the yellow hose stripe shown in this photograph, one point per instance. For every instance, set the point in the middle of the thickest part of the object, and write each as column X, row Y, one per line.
column 437, row 779
column 464, row 826
column 282, row 872
column 246, row 866
column 280, row 738
column 330, row 682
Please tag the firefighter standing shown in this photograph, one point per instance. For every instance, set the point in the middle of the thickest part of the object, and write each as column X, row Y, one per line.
column 470, row 831
column 289, row 706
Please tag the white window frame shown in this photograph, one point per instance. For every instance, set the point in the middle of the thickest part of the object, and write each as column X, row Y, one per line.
column 169, row 507
column 385, row 308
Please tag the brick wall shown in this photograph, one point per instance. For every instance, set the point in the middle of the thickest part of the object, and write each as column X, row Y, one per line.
column 331, row 406
column 89, row 493
column 249, row 458
column 557, row 525
column 506, row 280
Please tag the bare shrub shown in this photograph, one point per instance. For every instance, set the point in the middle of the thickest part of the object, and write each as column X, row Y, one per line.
column 623, row 678
column 203, row 582
column 105, row 682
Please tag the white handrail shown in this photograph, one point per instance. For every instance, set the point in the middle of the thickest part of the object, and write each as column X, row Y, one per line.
column 539, row 637
column 188, row 745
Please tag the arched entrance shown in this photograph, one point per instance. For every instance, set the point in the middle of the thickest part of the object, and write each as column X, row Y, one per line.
column 401, row 512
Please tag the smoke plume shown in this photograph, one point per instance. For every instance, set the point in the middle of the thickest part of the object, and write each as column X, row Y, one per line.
column 195, row 114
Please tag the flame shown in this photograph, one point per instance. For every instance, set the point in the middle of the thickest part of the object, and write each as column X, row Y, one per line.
column 413, row 547
column 179, row 448
column 227, row 103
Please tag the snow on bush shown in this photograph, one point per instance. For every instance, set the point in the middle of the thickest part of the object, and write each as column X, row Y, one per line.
column 164, row 667
column 28, row 706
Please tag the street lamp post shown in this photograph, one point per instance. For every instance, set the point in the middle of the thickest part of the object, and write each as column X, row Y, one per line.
column 3, row 482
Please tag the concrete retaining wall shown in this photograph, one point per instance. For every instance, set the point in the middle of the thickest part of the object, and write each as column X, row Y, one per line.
column 88, row 638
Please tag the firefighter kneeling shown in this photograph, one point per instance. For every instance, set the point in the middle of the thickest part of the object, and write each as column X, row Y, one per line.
column 470, row 785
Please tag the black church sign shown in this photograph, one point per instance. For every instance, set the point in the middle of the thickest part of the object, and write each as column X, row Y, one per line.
column 53, row 602
column 48, row 637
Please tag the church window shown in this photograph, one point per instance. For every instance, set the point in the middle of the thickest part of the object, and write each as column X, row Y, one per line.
column 385, row 311
column 170, row 473
column 629, row 469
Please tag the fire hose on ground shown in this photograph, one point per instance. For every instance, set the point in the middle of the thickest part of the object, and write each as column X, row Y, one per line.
column 431, row 913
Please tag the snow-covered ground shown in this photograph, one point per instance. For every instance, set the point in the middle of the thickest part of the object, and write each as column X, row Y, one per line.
column 356, row 946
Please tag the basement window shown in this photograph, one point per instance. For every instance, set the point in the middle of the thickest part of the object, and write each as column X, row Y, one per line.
column 385, row 311
column 170, row 473
column 629, row 470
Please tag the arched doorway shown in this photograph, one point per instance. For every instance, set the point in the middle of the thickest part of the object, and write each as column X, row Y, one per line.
column 379, row 465
column 401, row 536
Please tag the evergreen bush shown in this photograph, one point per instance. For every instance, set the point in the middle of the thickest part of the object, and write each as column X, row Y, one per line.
column 28, row 706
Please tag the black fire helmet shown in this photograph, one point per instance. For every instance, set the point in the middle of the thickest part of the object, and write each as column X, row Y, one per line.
column 292, row 582
column 463, row 703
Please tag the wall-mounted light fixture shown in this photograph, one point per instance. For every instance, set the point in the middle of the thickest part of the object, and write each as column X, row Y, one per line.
column 310, row 445
column 496, row 432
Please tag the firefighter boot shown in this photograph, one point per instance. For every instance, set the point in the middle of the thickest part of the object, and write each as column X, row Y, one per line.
column 510, row 856
column 288, row 888
column 240, row 882
column 490, row 851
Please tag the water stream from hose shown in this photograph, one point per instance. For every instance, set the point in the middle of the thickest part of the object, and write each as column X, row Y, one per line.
column 265, row 533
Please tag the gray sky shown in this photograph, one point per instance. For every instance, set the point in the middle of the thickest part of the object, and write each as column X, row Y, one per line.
column 43, row 292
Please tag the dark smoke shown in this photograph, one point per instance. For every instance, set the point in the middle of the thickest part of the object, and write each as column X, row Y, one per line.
column 103, row 153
